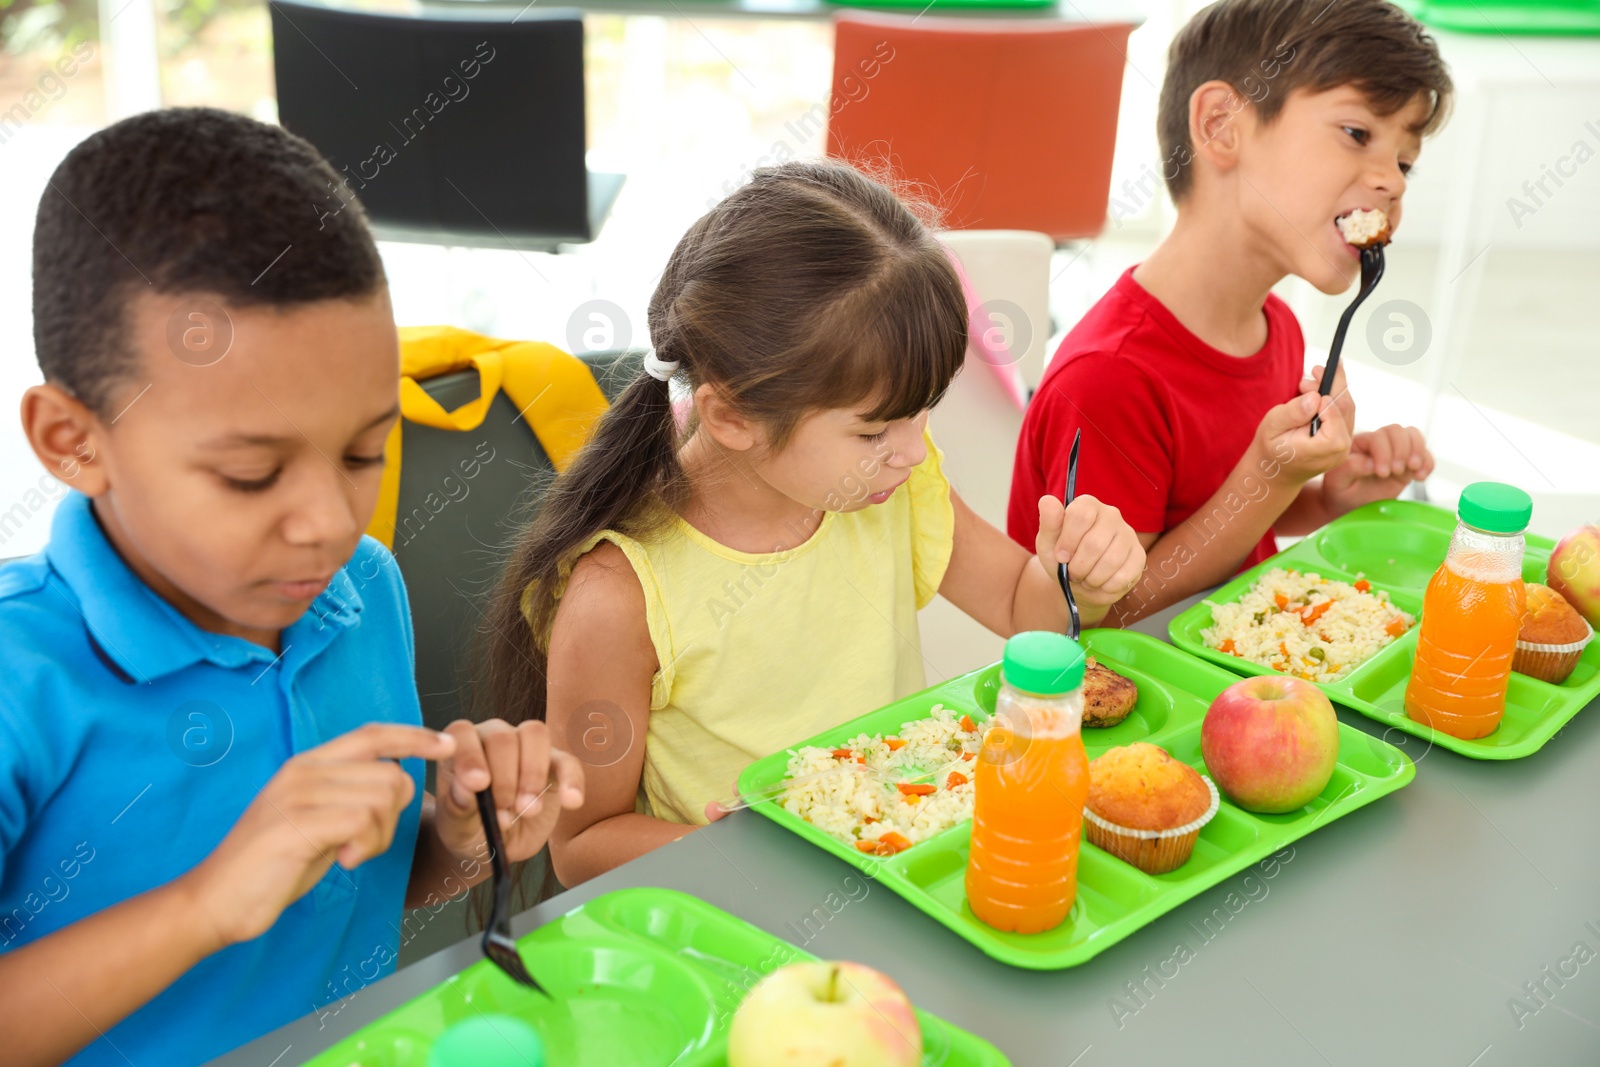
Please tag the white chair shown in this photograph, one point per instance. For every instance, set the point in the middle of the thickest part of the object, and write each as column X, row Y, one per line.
column 1008, row 278
column 1010, row 269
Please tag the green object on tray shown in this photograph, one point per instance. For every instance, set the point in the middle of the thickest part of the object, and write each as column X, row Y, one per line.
column 1114, row 898
column 1495, row 507
column 488, row 1041
column 1397, row 545
column 1549, row 17
column 639, row 977
column 1041, row 662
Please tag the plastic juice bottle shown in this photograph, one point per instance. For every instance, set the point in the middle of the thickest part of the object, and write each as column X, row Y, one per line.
column 1470, row 616
column 1032, row 780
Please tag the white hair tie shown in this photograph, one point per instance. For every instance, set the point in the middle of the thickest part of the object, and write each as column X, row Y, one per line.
column 660, row 369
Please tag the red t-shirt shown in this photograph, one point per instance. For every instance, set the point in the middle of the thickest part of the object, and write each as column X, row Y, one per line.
column 1164, row 415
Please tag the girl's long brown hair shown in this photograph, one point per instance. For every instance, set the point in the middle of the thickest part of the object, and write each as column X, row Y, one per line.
column 810, row 287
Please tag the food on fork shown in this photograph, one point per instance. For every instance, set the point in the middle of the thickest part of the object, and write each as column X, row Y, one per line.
column 1365, row 228
column 1108, row 697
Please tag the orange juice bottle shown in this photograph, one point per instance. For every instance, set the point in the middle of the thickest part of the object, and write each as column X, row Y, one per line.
column 1031, row 782
column 1470, row 616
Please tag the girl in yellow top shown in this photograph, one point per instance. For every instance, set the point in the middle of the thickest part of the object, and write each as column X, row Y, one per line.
column 688, row 602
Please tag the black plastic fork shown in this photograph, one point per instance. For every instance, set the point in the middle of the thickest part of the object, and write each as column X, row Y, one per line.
column 1371, row 271
column 1061, row 568
column 497, row 942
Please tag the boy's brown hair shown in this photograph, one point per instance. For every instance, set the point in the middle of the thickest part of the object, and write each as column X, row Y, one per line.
column 1266, row 49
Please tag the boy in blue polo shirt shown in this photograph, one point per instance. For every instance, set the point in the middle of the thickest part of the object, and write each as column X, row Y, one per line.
column 211, row 778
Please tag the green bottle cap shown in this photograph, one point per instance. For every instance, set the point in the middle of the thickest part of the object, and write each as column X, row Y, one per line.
column 1043, row 662
column 488, row 1041
column 1495, row 507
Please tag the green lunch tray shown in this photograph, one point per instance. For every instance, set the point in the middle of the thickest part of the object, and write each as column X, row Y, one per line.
column 1397, row 545
column 639, row 977
column 1550, row 17
column 1114, row 897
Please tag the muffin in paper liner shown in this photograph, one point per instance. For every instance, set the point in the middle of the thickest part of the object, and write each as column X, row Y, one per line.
column 1549, row 663
column 1152, row 851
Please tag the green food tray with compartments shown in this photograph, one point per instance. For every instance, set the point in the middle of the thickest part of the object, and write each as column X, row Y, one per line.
column 1397, row 545
column 1114, row 897
column 1501, row 17
column 639, row 977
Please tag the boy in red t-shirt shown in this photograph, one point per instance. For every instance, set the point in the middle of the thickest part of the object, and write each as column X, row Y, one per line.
column 1187, row 378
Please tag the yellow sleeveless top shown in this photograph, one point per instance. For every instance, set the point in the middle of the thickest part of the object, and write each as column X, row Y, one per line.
column 759, row 651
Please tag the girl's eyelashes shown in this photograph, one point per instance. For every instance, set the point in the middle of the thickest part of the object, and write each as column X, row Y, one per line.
column 874, row 438
column 1407, row 169
column 363, row 462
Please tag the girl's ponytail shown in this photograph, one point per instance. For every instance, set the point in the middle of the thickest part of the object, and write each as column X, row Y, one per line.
column 631, row 457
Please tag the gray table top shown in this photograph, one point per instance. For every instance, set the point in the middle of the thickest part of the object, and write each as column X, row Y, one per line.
column 1098, row 11
column 1451, row 923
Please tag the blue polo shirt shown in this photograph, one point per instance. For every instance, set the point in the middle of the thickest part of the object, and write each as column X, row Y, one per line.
column 130, row 743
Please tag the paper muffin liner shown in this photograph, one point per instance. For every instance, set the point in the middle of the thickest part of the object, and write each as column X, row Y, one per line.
column 1549, row 663
column 1152, row 851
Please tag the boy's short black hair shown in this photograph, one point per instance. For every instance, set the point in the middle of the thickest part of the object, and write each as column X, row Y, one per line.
column 185, row 200
column 1266, row 49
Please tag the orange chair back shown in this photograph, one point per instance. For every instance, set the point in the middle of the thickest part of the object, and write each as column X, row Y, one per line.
column 1005, row 124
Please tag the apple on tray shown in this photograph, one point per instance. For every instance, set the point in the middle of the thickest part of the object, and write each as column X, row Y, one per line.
column 1574, row 571
column 822, row 1014
column 1270, row 743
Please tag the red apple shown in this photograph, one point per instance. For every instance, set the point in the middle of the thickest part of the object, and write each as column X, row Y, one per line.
column 1270, row 742
column 822, row 1014
column 1574, row 571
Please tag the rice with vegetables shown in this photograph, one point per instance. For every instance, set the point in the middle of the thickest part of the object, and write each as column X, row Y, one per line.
column 906, row 805
column 1312, row 627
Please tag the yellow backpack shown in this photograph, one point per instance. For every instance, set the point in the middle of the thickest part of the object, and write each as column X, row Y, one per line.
column 552, row 389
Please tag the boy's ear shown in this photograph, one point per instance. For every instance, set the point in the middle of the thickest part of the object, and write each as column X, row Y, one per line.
column 1214, row 110
column 66, row 436
column 722, row 421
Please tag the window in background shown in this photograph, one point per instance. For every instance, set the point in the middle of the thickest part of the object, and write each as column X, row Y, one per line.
column 49, row 64
column 218, row 53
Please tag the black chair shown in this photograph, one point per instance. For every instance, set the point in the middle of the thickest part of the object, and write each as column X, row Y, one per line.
column 456, row 130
